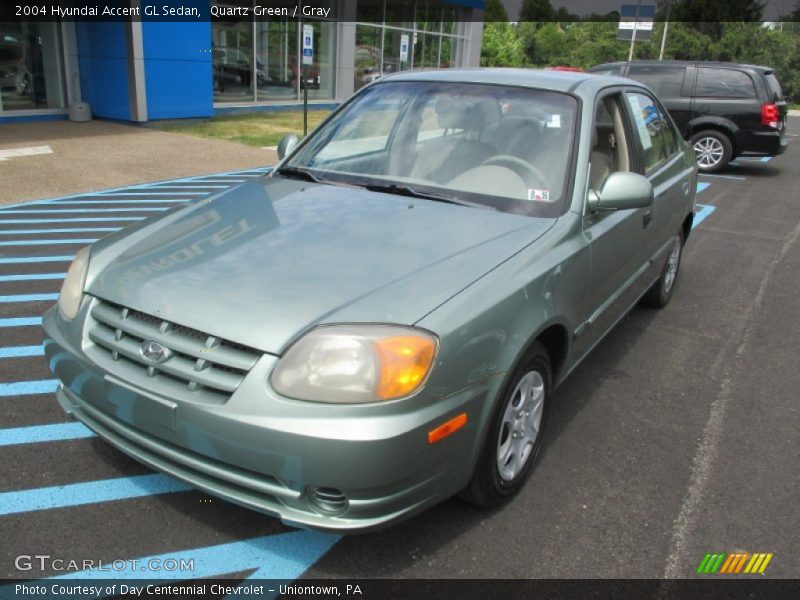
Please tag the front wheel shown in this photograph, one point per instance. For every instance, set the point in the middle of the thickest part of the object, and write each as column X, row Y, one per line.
column 514, row 438
column 660, row 294
column 712, row 149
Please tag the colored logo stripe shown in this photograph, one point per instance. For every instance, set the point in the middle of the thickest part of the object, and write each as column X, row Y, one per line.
column 734, row 563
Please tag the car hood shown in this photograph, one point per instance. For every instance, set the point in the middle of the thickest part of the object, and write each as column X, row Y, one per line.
column 266, row 260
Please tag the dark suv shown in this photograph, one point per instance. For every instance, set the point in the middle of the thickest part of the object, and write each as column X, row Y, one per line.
column 722, row 109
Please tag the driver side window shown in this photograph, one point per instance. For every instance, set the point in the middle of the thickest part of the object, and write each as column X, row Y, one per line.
column 610, row 149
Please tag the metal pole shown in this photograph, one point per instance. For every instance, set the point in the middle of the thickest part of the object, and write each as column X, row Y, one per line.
column 664, row 35
column 305, row 100
column 633, row 35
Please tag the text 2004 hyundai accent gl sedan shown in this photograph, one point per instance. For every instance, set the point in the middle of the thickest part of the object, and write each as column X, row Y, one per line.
column 380, row 323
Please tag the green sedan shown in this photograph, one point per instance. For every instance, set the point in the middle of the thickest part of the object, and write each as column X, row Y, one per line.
column 382, row 321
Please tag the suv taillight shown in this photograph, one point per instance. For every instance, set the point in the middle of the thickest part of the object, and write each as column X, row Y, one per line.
column 769, row 115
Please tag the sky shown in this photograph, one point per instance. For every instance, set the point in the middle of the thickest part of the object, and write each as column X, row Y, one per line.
column 773, row 9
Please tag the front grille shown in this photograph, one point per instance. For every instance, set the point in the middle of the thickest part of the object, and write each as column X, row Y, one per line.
column 201, row 362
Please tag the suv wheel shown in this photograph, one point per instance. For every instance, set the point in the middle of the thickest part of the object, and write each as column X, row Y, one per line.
column 712, row 149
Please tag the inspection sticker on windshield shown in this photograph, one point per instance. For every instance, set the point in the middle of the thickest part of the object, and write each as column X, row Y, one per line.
column 539, row 195
column 553, row 121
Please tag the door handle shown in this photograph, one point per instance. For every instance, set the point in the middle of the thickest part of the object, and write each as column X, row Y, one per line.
column 685, row 188
column 647, row 218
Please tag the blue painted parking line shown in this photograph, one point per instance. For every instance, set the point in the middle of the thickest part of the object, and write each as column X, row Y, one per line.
column 49, row 242
column 28, row 298
column 281, row 556
column 36, row 259
column 701, row 185
column 21, row 322
column 32, row 277
column 89, row 492
column 57, row 432
column 110, row 200
column 246, row 174
column 733, row 177
column 761, row 159
column 27, row 388
column 59, row 211
column 71, row 220
column 67, row 230
column 124, row 193
column 21, row 351
column 700, row 215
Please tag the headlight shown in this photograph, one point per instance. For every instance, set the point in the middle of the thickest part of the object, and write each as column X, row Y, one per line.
column 353, row 364
column 69, row 300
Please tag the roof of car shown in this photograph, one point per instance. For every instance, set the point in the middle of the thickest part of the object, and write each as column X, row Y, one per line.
column 684, row 63
column 558, row 81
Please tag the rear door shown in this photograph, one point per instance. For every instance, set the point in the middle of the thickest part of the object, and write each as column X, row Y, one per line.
column 664, row 164
column 775, row 96
column 728, row 93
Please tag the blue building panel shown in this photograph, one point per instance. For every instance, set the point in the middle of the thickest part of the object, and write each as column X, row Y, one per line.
column 178, row 69
column 103, row 62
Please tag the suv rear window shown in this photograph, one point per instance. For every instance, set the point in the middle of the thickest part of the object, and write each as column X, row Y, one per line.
column 723, row 83
column 666, row 82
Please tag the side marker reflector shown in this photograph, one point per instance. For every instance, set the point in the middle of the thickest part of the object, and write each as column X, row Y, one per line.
column 448, row 428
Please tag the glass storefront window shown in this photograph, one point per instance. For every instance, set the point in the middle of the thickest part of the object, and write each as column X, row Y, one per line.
column 320, row 74
column 276, row 41
column 367, row 61
column 259, row 60
column 393, row 59
column 232, row 56
column 31, row 66
column 400, row 13
column 426, row 51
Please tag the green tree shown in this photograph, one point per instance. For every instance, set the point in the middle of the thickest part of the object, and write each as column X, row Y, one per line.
column 536, row 11
column 710, row 17
column 501, row 46
column 495, row 12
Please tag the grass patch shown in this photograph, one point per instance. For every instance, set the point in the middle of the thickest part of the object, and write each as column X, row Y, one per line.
column 795, row 106
column 256, row 129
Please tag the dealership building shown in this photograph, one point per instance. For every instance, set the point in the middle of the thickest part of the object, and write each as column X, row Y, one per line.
column 151, row 69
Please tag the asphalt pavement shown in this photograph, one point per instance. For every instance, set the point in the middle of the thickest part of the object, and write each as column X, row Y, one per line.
column 678, row 436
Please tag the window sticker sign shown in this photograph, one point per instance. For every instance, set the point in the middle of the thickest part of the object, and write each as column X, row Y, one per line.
column 641, row 122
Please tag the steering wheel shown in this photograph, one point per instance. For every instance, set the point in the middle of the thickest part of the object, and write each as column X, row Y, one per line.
column 521, row 167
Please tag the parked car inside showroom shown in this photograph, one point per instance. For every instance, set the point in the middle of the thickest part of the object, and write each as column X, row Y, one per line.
column 382, row 321
column 723, row 110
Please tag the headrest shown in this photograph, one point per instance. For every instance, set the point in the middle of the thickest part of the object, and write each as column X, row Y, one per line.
column 466, row 112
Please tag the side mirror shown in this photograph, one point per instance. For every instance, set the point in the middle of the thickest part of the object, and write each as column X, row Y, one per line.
column 622, row 191
column 287, row 144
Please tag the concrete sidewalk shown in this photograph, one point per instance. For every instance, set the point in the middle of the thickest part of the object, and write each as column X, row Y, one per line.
column 100, row 154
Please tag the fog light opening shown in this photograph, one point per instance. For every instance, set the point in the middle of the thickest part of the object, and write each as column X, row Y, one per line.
column 329, row 500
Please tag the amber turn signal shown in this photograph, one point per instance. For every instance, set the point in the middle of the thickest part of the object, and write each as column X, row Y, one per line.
column 405, row 362
column 449, row 428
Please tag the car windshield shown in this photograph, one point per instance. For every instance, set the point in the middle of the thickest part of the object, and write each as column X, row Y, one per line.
column 505, row 148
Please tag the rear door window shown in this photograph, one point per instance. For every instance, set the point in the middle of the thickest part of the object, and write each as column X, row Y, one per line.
column 666, row 82
column 774, row 87
column 655, row 131
column 723, row 83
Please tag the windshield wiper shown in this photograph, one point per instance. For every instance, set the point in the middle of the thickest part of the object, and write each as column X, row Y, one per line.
column 405, row 190
column 309, row 175
column 301, row 173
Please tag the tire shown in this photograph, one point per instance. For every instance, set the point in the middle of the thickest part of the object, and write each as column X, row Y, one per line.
column 521, row 409
column 712, row 149
column 660, row 294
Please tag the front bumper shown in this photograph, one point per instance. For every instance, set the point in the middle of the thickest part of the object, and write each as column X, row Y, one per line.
column 321, row 466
